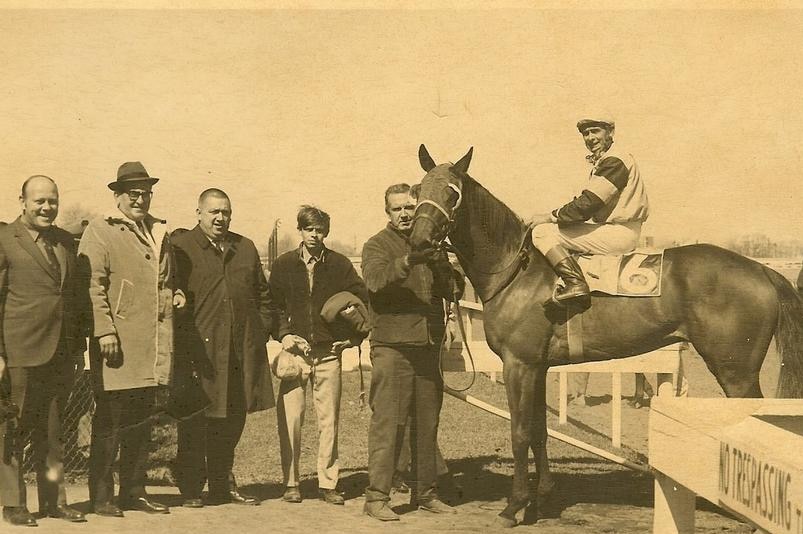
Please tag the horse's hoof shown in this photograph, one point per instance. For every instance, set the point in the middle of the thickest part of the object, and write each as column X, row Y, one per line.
column 546, row 490
column 505, row 522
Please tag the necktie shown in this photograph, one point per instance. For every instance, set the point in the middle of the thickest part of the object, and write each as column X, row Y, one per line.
column 145, row 232
column 51, row 255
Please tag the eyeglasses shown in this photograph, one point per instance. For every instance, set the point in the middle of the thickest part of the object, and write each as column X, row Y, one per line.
column 135, row 194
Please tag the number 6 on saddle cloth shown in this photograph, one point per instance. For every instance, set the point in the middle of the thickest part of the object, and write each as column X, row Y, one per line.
column 637, row 274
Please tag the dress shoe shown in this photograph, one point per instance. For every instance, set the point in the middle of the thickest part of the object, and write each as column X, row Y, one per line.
column 291, row 494
column 399, row 485
column 107, row 510
column 18, row 516
column 144, row 504
column 241, row 498
column 436, row 506
column 331, row 496
column 62, row 511
column 193, row 503
column 380, row 510
column 232, row 496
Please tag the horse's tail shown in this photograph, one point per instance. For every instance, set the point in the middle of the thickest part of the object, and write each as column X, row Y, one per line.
column 788, row 337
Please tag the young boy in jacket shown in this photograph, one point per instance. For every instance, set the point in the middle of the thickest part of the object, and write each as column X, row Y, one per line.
column 302, row 280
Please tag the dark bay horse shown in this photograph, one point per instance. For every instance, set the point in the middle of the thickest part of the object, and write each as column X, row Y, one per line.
column 729, row 307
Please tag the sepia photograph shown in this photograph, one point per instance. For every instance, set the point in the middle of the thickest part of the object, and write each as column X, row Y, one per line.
column 319, row 266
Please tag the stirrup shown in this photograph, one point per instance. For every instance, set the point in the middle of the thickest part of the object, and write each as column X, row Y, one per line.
column 556, row 300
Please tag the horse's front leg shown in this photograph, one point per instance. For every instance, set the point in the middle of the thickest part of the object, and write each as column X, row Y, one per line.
column 520, row 382
column 544, row 482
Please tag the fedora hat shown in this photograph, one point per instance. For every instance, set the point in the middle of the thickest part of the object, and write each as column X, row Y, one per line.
column 131, row 171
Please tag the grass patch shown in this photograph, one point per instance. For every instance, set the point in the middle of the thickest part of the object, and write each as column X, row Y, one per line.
column 470, row 440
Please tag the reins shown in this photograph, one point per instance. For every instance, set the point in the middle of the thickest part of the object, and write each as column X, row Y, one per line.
column 520, row 256
column 465, row 341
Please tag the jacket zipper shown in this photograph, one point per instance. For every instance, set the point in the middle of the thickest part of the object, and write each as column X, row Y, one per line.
column 309, row 306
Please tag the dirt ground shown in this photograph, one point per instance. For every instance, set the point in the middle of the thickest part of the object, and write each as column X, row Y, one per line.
column 475, row 515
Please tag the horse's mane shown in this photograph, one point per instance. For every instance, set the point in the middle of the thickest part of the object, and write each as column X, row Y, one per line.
column 499, row 222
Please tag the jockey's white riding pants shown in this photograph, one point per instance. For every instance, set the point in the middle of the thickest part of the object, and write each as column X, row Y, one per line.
column 587, row 237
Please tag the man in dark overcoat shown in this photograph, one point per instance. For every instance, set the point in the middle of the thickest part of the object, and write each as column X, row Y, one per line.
column 41, row 346
column 221, row 338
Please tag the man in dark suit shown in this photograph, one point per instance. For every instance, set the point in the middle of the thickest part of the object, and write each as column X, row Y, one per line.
column 41, row 347
column 221, row 338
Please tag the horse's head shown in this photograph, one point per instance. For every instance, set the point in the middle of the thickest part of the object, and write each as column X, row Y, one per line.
column 438, row 200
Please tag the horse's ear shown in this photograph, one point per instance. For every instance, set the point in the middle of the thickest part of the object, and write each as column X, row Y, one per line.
column 425, row 159
column 462, row 165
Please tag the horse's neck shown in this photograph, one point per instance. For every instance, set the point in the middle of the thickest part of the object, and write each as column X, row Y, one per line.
column 489, row 236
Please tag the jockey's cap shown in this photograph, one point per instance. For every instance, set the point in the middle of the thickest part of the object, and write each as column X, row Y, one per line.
column 600, row 121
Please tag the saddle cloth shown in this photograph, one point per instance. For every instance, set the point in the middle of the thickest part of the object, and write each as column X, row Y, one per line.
column 637, row 274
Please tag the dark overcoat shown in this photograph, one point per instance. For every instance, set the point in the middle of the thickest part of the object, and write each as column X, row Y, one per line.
column 228, row 315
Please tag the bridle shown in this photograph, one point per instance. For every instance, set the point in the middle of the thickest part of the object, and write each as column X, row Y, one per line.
column 448, row 215
column 519, row 258
column 446, row 225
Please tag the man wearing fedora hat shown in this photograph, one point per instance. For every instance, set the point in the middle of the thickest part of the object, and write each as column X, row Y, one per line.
column 605, row 218
column 128, row 265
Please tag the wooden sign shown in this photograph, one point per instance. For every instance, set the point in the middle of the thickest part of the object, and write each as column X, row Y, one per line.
column 760, row 472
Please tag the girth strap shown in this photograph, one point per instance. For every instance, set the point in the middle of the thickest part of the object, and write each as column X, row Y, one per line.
column 574, row 332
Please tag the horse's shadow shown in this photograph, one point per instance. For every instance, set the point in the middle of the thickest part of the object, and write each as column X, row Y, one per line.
column 474, row 482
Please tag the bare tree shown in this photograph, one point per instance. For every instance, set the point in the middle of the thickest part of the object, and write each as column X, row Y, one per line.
column 74, row 217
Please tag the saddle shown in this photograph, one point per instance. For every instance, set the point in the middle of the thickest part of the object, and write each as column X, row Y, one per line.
column 636, row 274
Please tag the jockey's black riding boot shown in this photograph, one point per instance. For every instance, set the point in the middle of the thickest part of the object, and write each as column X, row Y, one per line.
column 567, row 268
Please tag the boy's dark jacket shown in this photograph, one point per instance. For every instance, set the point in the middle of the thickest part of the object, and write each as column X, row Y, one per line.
column 299, row 312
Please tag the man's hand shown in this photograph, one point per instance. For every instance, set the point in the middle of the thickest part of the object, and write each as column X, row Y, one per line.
column 3, row 366
column 78, row 359
column 339, row 346
column 110, row 350
column 295, row 345
column 419, row 257
column 540, row 218
column 179, row 300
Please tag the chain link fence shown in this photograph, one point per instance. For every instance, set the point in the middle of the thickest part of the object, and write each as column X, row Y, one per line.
column 76, row 428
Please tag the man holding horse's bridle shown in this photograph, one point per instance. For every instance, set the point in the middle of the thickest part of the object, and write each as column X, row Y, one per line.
column 407, row 291
column 605, row 218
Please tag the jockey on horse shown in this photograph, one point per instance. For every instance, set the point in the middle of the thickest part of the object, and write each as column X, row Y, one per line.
column 614, row 200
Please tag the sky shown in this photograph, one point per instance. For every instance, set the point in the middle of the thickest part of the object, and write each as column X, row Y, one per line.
column 287, row 107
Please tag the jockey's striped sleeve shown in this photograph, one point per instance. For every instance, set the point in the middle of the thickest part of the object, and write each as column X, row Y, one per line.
column 607, row 180
column 580, row 209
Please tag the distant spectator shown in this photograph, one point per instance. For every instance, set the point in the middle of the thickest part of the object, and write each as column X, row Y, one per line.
column 577, row 387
